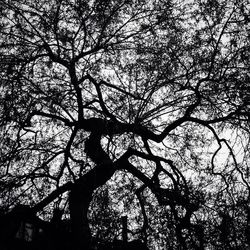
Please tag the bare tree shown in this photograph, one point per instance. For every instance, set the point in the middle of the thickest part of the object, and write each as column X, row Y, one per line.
column 94, row 92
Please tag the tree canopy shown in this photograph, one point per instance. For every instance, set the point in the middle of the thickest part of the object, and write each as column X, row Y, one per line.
column 129, row 107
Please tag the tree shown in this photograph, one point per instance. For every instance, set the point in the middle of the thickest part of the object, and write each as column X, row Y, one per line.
column 147, row 99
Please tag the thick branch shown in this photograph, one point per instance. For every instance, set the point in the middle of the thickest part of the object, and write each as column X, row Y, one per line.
column 52, row 116
column 52, row 196
column 75, row 83
column 101, row 101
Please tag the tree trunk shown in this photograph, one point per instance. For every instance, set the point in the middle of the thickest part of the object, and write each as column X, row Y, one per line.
column 79, row 200
column 81, row 193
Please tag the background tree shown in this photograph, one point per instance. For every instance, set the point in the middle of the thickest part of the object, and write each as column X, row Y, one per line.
column 149, row 99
